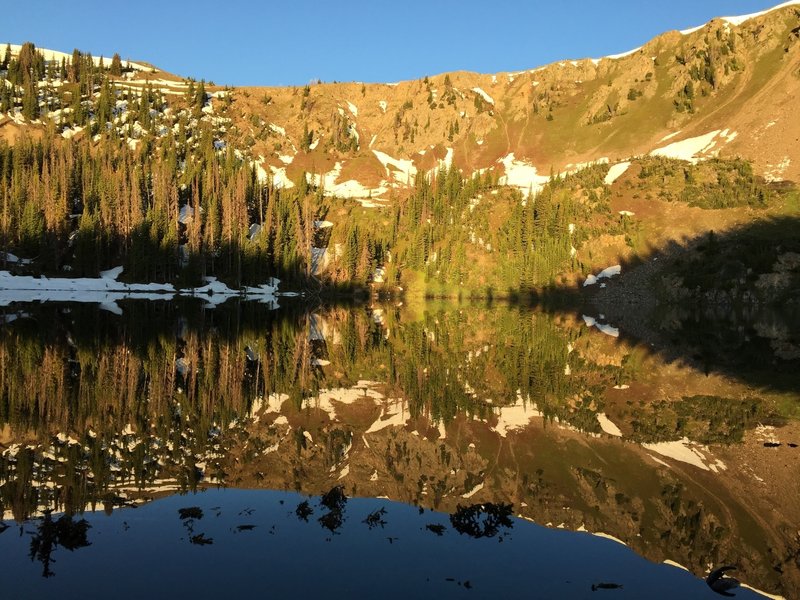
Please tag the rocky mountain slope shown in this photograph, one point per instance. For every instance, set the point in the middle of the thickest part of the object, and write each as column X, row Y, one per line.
column 726, row 88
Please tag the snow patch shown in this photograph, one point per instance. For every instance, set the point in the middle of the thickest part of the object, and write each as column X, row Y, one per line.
column 608, row 536
column 485, row 96
column 669, row 136
column 616, row 171
column 400, row 170
column 608, row 426
column 692, row 149
column 448, row 159
column 602, row 327
column 775, row 173
column 521, row 175
column 516, row 416
column 672, row 563
column 606, row 273
column 56, row 56
column 392, row 415
column 473, row 491
column 738, row 20
column 106, row 290
column 687, row 452
column 618, row 56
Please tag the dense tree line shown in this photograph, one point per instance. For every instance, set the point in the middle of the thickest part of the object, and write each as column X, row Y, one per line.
column 457, row 231
column 88, row 206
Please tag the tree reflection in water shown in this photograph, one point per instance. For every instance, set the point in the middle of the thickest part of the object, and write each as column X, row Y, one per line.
column 482, row 520
column 50, row 534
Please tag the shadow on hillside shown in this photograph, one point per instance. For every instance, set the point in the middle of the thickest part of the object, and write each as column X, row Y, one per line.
column 722, row 302
column 145, row 259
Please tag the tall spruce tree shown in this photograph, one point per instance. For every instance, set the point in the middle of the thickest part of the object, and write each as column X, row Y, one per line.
column 116, row 65
column 6, row 58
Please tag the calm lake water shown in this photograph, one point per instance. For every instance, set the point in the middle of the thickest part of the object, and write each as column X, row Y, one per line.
column 432, row 450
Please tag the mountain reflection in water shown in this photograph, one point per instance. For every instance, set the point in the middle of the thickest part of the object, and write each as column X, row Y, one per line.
column 492, row 417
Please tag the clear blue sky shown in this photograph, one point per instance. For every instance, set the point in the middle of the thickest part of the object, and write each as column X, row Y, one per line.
column 292, row 42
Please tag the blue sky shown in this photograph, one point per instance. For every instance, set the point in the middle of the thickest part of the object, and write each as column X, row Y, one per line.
column 293, row 42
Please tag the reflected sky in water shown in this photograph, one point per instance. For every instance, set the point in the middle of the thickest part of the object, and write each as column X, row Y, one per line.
column 451, row 417
column 282, row 544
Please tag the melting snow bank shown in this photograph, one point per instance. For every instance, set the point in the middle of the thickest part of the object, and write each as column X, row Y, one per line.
column 483, row 94
column 14, row 260
column 606, row 273
column 400, row 170
column 106, row 290
column 56, row 57
column 603, row 327
column 685, row 451
column 616, row 171
column 525, row 177
column 518, row 416
column 608, row 426
column 738, row 20
column 762, row 593
column 522, row 175
column 696, row 148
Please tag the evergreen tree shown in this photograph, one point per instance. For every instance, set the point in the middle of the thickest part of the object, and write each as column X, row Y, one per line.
column 5, row 97
column 116, row 65
column 27, row 63
column 200, row 99
column 75, row 67
column 30, row 101
column 104, row 105
column 6, row 58
column 307, row 138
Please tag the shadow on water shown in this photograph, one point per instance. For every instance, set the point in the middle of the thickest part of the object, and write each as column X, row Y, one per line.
column 726, row 302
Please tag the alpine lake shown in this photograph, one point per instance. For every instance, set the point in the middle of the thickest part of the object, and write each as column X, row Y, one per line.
column 444, row 450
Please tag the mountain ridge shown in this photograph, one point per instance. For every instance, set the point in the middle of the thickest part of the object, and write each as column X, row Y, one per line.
column 524, row 124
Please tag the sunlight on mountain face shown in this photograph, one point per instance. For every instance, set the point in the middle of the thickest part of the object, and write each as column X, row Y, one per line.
column 508, row 334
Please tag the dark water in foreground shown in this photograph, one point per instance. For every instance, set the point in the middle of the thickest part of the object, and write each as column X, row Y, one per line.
column 241, row 542
column 444, row 451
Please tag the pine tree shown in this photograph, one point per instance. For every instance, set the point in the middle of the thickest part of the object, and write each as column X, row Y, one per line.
column 30, row 101
column 5, row 97
column 306, row 139
column 104, row 105
column 27, row 63
column 75, row 67
column 6, row 58
column 200, row 99
column 116, row 65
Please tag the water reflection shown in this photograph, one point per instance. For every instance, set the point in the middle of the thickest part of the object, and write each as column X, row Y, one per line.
column 487, row 415
column 65, row 532
column 230, row 541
